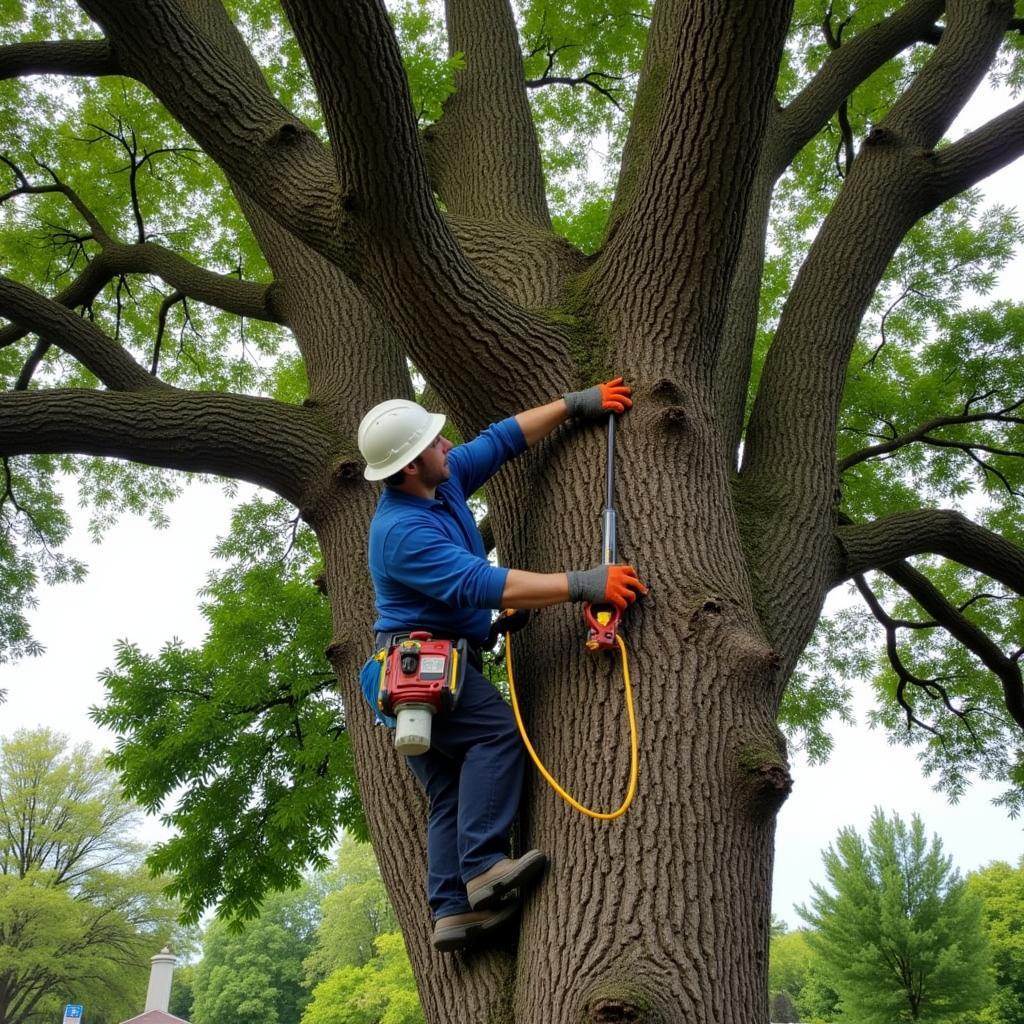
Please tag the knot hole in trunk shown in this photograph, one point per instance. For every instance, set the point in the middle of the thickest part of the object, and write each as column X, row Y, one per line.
column 615, row 1011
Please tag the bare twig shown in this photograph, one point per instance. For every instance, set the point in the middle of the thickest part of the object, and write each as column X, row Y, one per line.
column 589, row 79
column 925, row 434
column 932, row 688
column 885, row 316
column 834, row 39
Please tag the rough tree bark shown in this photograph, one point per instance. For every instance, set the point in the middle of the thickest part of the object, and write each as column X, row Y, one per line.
column 661, row 916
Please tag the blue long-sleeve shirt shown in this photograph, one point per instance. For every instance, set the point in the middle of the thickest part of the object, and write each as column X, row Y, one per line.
column 427, row 558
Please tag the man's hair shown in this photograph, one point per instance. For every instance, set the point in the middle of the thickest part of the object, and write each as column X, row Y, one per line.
column 396, row 479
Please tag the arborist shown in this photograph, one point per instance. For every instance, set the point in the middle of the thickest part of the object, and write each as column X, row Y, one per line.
column 431, row 576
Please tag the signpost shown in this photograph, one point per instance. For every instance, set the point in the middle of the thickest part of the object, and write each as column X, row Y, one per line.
column 73, row 1014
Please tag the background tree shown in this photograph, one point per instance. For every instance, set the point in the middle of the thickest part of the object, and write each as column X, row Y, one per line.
column 359, row 970
column 79, row 915
column 209, row 173
column 1001, row 891
column 797, row 972
column 354, row 913
column 899, row 933
column 182, row 995
column 380, row 991
column 256, row 969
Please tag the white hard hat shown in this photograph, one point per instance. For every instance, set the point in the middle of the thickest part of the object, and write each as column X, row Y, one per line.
column 393, row 433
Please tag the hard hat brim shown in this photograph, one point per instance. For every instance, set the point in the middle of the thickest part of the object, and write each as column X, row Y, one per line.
column 437, row 422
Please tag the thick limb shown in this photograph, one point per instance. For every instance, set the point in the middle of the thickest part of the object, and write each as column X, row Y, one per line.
column 677, row 238
column 281, row 447
column 928, row 531
column 92, row 57
column 483, row 154
column 57, row 325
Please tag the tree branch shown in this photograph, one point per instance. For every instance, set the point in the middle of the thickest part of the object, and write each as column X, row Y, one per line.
column 483, row 153
column 380, row 223
column 589, row 79
column 790, row 129
column 225, row 105
column 947, row 81
column 879, row 544
column 904, row 676
column 92, row 57
column 57, row 325
column 284, row 448
column 975, row 639
column 980, row 153
column 222, row 291
column 923, row 432
column 846, row 67
column 25, row 188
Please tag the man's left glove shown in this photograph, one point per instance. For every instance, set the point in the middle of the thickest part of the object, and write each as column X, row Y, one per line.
column 612, row 396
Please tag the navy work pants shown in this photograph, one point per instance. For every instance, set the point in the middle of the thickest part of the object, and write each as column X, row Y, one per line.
column 473, row 777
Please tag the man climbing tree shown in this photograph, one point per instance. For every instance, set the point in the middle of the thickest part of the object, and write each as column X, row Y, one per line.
column 805, row 412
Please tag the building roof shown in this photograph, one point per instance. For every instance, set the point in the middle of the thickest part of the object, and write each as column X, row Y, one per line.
column 155, row 1017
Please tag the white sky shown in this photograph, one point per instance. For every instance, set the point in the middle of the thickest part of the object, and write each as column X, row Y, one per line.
column 142, row 586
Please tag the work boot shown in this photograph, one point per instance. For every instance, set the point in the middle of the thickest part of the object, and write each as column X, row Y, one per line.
column 492, row 887
column 461, row 931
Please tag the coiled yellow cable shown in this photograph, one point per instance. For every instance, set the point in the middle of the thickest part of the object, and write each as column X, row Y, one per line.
column 633, row 752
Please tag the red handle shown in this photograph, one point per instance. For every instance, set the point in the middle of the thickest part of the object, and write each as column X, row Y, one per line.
column 602, row 626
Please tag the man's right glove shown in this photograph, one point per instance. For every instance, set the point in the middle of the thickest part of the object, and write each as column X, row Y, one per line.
column 612, row 396
column 606, row 584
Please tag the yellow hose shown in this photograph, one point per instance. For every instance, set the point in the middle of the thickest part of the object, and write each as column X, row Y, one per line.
column 633, row 755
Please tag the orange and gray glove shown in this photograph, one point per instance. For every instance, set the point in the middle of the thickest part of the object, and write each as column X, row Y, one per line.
column 612, row 396
column 606, row 584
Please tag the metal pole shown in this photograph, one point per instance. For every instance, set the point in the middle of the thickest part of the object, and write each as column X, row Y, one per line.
column 608, row 545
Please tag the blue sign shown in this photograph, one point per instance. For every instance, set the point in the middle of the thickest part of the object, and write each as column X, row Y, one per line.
column 72, row 1012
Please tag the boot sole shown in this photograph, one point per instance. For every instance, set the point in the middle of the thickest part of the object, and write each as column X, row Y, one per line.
column 529, row 867
column 465, row 936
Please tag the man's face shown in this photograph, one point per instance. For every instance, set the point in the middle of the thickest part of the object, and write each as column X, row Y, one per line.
column 433, row 463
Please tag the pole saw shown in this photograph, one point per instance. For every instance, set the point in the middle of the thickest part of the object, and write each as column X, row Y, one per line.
column 603, row 620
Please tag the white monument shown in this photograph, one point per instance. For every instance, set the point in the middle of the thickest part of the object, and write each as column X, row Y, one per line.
column 158, row 996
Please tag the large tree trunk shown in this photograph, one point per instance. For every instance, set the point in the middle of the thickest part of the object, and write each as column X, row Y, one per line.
column 660, row 916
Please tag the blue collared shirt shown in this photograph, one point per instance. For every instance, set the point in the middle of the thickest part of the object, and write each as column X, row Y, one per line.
column 427, row 558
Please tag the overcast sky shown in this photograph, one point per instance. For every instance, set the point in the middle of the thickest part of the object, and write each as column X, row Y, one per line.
column 142, row 587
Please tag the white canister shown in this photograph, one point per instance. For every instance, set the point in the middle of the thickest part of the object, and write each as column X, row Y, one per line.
column 412, row 733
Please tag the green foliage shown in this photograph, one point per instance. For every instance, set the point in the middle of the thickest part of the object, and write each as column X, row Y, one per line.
column 256, row 972
column 355, row 912
column 382, row 991
column 79, row 919
column 358, row 965
column 182, row 992
column 246, row 728
column 796, row 972
column 1001, row 891
column 927, row 352
column 33, row 525
column 598, row 44
column 430, row 72
column 898, row 932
